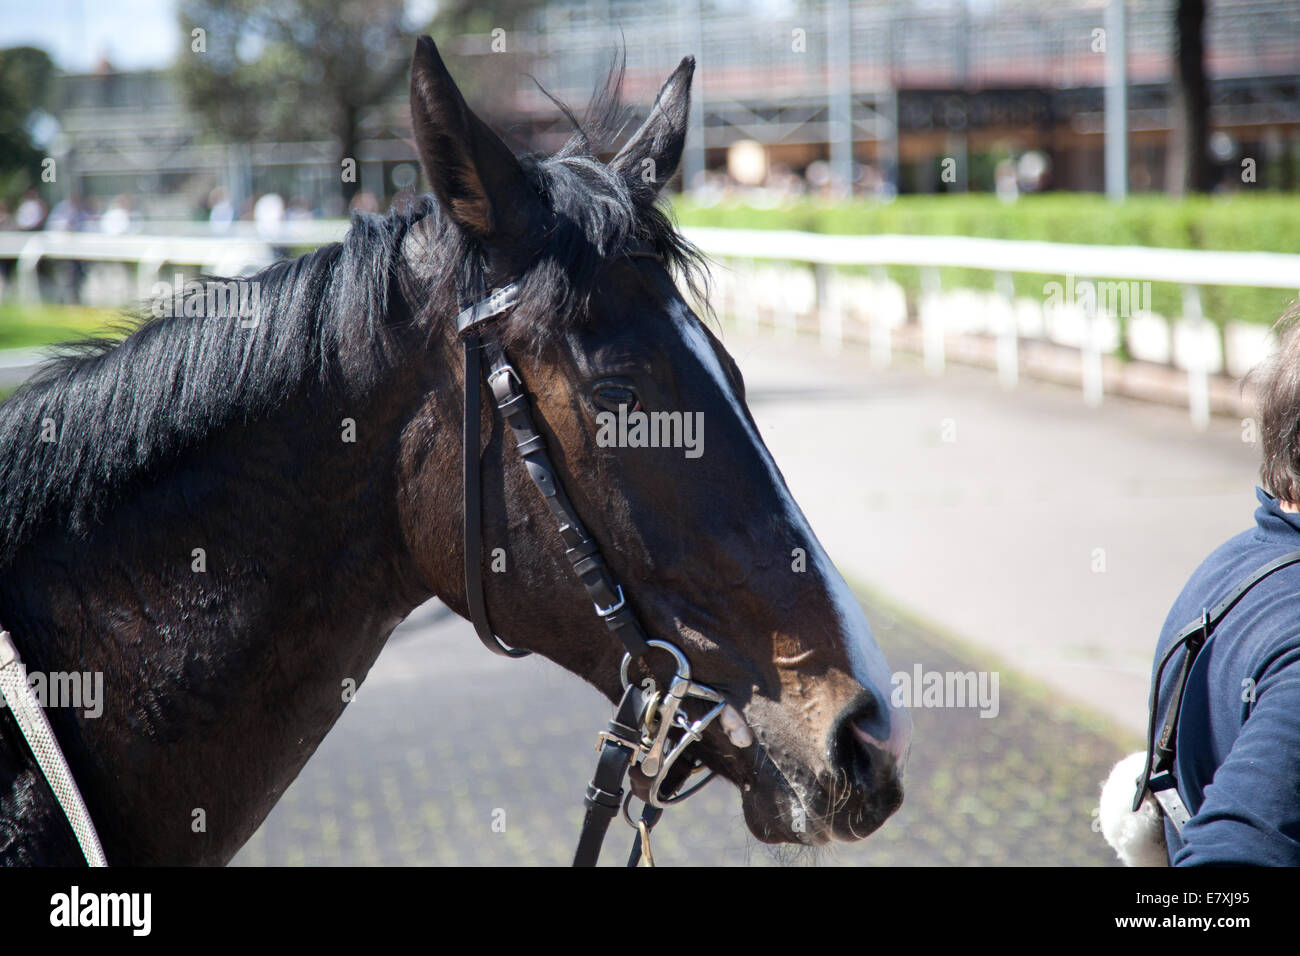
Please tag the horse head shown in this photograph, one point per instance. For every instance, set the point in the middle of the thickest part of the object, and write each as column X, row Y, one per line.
column 644, row 415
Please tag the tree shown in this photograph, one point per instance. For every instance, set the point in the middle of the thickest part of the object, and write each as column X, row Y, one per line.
column 293, row 69
column 1188, row 166
column 26, row 78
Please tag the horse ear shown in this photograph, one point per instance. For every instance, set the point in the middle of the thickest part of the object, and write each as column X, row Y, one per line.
column 652, row 154
column 475, row 175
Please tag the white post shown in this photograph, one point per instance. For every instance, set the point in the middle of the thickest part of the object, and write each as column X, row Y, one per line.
column 931, row 321
column 1198, row 379
column 29, row 283
column 1091, row 356
column 1008, row 338
column 787, row 320
column 830, row 308
column 880, row 331
column 146, row 273
column 746, row 305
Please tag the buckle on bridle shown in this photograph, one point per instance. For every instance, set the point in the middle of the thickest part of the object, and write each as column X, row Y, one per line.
column 614, row 609
column 503, row 370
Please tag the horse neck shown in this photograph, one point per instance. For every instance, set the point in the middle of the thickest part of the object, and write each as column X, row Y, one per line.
column 230, row 605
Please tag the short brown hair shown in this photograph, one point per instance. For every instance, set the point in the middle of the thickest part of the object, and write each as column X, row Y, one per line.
column 1277, row 383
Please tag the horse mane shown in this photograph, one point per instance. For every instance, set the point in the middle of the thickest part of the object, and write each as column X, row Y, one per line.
column 120, row 409
column 104, row 412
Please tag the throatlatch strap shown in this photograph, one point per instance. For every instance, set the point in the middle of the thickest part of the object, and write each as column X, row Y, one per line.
column 1157, row 772
column 17, row 693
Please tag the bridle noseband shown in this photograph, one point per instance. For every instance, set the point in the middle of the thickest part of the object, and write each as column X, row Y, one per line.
column 640, row 733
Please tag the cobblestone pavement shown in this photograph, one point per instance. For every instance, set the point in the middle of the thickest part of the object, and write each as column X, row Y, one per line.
column 444, row 738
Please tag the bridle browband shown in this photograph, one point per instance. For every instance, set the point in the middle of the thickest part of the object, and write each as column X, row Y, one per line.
column 640, row 732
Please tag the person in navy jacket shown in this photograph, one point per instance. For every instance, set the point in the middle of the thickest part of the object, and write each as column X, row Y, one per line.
column 1238, row 744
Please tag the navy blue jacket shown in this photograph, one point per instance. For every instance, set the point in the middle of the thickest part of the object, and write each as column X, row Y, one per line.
column 1238, row 750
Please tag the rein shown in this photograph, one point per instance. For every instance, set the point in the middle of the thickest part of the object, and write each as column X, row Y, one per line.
column 639, row 734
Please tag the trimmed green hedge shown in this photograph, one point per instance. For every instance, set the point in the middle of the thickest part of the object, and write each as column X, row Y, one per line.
column 1267, row 222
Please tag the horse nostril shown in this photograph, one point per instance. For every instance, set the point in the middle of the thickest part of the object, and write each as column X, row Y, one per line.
column 859, row 740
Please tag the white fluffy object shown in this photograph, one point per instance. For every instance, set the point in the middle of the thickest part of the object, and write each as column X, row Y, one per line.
column 1138, row 839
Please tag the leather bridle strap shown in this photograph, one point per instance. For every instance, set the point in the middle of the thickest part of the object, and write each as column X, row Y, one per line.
column 604, row 796
column 583, row 553
column 473, row 514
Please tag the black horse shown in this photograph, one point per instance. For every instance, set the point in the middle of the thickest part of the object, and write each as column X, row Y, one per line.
column 226, row 516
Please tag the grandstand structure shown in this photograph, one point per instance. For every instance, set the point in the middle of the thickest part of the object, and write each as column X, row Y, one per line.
column 890, row 88
column 902, row 85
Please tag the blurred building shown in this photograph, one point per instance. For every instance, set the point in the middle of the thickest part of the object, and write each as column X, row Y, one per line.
column 878, row 92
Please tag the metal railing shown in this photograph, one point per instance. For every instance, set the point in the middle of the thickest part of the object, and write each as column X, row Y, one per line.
column 222, row 256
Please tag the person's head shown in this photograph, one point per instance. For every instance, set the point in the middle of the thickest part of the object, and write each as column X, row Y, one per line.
column 1277, row 384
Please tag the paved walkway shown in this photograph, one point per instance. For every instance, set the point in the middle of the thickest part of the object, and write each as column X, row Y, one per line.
column 445, row 739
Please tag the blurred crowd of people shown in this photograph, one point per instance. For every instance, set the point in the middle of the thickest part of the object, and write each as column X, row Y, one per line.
column 748, row 178
column 71, row 214
column 267, row 211
column 266, row 215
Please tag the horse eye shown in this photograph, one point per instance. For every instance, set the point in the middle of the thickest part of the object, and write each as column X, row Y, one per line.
column 610, row 397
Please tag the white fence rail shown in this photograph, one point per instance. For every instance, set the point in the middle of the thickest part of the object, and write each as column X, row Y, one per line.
column 1083, row 314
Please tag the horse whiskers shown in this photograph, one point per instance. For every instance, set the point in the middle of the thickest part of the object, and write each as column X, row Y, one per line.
column 837, row 783
column 846, row 794
column 765, row 754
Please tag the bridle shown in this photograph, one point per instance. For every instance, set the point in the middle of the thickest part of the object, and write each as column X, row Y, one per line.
column 650, row 728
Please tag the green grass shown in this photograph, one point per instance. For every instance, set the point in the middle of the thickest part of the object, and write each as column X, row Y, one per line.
column 1243, row 222
column 27, row 326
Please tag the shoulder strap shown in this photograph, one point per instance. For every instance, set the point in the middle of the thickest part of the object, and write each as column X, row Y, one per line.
column 1160, row 754
column 1221, row 609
